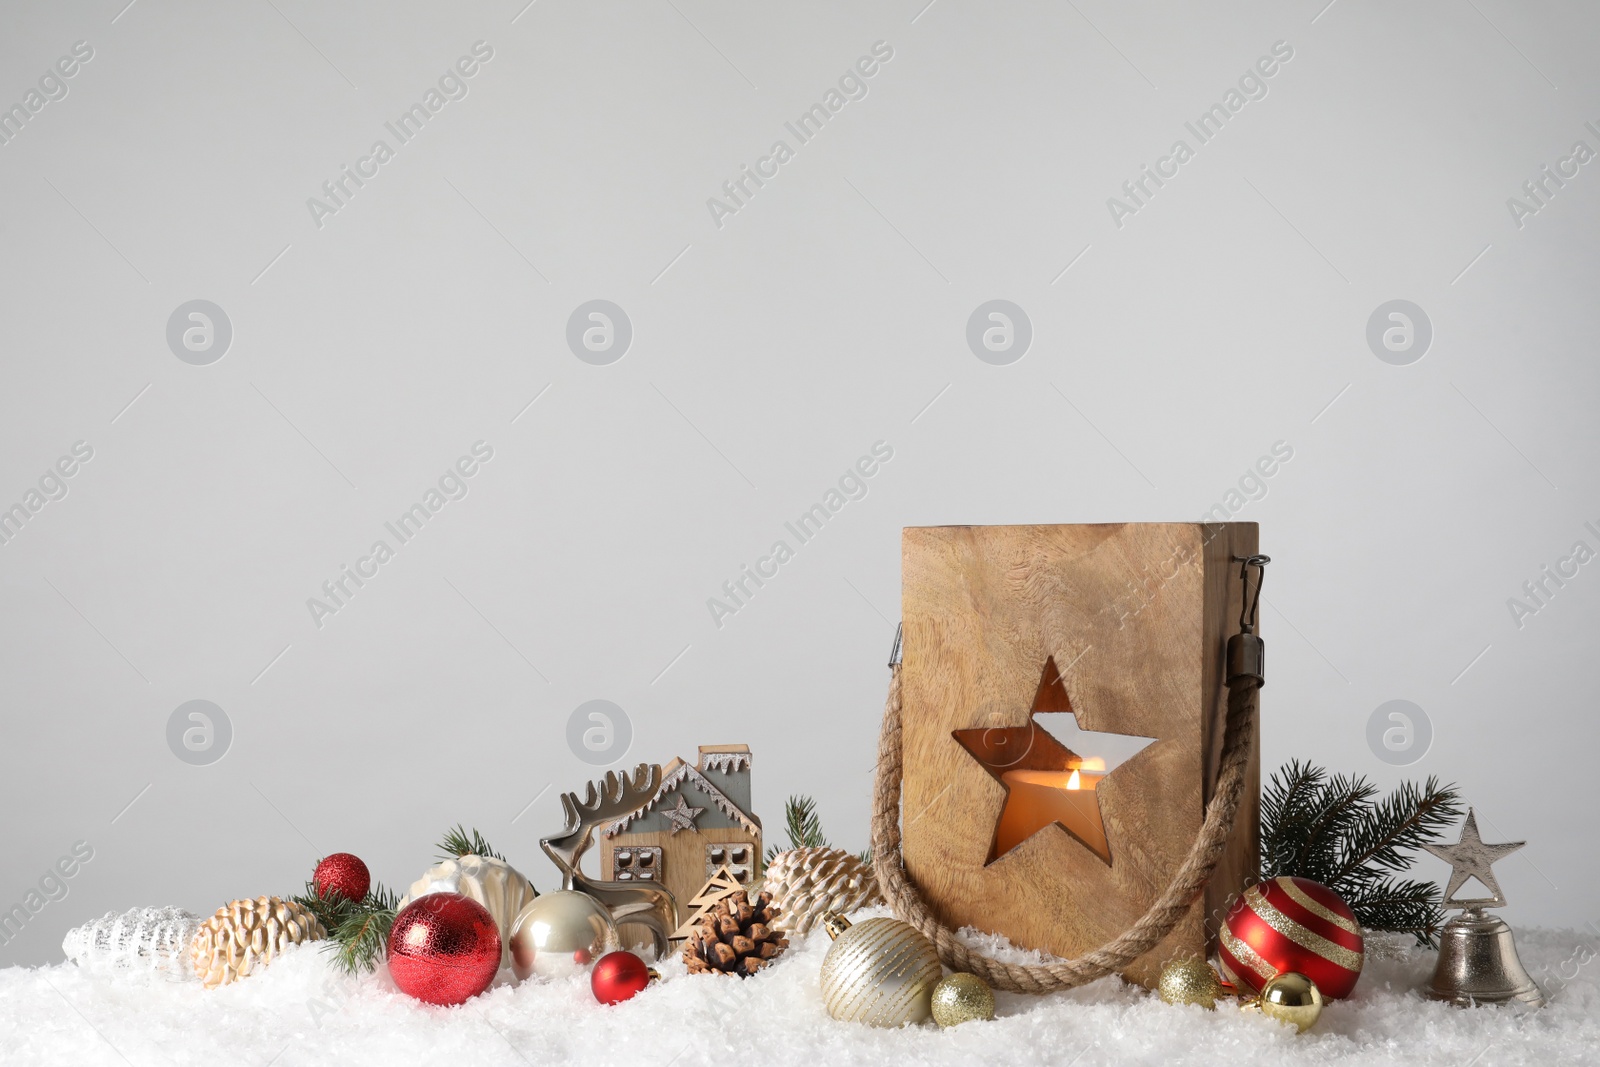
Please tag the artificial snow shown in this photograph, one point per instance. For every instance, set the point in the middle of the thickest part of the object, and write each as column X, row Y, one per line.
column 300, row 1011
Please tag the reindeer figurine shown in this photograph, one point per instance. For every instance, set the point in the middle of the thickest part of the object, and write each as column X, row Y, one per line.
column 652, row 907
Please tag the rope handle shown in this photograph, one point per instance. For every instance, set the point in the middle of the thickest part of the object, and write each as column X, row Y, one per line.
column 1244, row 687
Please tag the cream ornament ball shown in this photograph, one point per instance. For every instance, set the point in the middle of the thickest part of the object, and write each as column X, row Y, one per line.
column 560, row 934
column 492, row 882
column 881, row 972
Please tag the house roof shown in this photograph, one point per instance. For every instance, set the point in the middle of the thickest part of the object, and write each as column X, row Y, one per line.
column 673, row 776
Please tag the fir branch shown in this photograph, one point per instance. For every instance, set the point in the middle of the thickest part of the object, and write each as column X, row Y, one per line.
column 802, row 824
column 1402, row 906
column 358, row 930
column 1402, row 822
column 1338, row 831
column 456, row 843
column 329, row 910
column 362, row 936
column 1332, row 815
column 362, row 939
column 1285, row 805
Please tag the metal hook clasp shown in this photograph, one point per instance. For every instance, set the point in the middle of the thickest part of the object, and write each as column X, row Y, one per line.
column 1249, row 606
column 1247, row 653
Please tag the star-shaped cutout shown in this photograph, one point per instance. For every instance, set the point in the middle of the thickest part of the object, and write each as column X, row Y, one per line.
column 1471, row 858
column 1046, row 782
column 682, row 817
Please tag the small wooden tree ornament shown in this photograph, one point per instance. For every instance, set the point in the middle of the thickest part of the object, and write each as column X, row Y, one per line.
column 1125, row 627
column 718, row 887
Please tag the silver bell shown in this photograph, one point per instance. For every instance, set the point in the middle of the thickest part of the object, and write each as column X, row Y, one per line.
column 1478, row 964
column 1477, row 956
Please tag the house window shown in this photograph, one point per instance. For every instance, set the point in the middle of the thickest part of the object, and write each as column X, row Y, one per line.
column 636, row 863
column 733, row 855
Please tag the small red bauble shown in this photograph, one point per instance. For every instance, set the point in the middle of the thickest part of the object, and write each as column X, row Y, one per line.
column 342, row 875
column 1291, row 924
column 444, row 948
column 617, row 976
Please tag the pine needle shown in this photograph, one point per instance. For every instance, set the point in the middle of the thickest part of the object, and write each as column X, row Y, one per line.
column 457, row 843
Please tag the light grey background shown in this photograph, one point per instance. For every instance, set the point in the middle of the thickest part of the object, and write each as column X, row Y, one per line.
column 829, row 313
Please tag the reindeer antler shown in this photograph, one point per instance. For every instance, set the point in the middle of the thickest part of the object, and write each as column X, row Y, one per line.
column 617, row 796
column 652, row 907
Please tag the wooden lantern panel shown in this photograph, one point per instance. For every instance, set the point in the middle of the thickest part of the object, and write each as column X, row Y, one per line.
column 1136, row 616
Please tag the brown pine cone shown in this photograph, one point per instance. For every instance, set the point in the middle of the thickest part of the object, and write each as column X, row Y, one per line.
column 735, row 937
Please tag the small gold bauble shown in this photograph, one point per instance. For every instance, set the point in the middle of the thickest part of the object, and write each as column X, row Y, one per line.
column 1189, row 980
column 1290, row 998
column 961, row 998
column 878, row 971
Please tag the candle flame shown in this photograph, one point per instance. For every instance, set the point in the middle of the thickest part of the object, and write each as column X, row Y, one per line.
column 1074, row 781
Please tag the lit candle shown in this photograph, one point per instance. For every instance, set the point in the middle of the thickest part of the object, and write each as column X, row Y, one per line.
column 1039, row 798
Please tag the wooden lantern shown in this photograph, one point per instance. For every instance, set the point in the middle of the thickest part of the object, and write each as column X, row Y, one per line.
column 1006, row 828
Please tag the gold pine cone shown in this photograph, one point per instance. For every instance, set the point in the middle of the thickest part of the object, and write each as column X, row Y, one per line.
column 807, row 883
column 248, row 934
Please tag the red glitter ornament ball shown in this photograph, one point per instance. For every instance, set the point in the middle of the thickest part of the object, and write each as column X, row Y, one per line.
column 1291, row 924
column 617, row 976
column 444, row 948
column 342, row 875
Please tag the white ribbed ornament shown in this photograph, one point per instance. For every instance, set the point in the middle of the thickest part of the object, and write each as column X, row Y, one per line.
column 146, row 939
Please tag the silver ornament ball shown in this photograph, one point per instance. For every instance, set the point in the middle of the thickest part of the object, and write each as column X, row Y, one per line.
column 559, row 934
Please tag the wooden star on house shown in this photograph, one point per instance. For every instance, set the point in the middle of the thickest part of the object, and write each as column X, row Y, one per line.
column 682, row 817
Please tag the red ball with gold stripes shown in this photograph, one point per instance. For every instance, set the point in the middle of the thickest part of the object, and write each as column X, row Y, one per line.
column 1291, row 924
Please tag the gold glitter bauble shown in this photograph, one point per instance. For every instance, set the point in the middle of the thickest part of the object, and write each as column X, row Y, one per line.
column 878, row 971
column 1189, row 980
column 961, row 998
column 1291, row 998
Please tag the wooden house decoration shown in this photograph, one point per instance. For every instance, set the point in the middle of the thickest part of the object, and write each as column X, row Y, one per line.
column 697, row 823
column 1122, row 627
